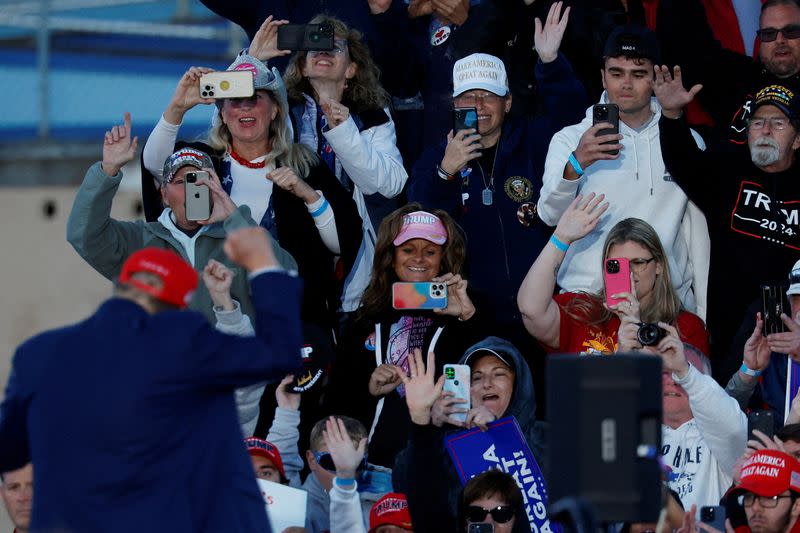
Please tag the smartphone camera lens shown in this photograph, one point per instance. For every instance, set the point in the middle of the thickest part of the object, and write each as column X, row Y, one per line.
column 707, row 514
column 191, row 177
column 612, row 266
column 455, row 383
column 326, row 30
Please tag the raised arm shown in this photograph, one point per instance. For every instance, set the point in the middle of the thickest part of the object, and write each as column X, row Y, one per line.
column 540, row 312
column 100, row 240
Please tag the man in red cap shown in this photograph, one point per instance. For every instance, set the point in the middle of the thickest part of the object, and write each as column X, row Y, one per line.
column 266, row 459
column 769, row 489
column 129, row 417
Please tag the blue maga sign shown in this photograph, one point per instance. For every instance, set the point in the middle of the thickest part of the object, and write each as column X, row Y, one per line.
column 503, row 447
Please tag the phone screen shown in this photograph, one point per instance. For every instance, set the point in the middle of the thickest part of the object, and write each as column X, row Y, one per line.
column 465, row 118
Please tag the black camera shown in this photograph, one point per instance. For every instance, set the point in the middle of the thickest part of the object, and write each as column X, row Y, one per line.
column 650, row 334
column 612, row 266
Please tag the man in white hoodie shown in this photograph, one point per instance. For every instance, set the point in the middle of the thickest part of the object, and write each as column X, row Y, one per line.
column 627, row 168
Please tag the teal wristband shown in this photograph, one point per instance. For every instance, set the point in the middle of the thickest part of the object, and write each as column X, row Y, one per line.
column 558, row 244
column 575, row 165
column 344, row 482
column 749, row 371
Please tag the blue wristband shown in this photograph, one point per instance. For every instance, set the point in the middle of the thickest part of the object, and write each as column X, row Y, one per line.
column 558, row 244
column 321, row 208
column 575, row 165
column 344, row 482
column 749, row 371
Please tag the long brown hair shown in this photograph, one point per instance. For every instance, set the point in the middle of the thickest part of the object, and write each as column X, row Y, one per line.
column 362, row 91
column 378, row 294
column 665, row 303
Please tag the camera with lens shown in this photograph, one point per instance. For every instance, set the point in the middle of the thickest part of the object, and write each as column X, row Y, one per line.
column 612, row 266
column 650, row 334
column 191, row 177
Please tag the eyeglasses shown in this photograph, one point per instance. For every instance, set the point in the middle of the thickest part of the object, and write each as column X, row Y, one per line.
column 640, row 265
column 339, row 47
column 775, row 123
column 791, row 31
column 470, row 100
column 500, row 514
column 768, row 502
column 325, row 460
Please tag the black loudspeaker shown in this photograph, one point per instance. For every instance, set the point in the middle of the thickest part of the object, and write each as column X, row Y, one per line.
column 605, row 434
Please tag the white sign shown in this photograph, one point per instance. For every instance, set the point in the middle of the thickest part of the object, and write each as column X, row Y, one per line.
column 286, row 506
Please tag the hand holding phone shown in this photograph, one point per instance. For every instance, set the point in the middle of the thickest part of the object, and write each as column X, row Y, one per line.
column 617, row 276
column 762, row 420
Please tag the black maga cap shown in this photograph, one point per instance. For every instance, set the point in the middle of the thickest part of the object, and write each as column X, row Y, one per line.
column 633, row 41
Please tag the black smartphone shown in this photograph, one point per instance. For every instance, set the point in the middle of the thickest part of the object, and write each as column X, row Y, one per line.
column 607, row 113
column 714, row 516
column 762, row 420
column 481, row 528
column 465, row 118
column 305, row 37
column 774, row 302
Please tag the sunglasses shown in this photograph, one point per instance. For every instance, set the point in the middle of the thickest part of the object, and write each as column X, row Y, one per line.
column 325, row 460
column 791, row 31
column 500, row 514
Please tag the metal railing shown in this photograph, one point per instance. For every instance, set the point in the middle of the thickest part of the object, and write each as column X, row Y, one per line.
column 38, row 16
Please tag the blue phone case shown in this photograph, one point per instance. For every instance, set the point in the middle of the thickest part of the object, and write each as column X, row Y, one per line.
column 419, row 295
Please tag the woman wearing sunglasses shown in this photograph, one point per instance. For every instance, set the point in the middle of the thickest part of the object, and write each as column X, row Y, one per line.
column 583, row 322
column 340, row 111
column 288, row 189
column 493, row 498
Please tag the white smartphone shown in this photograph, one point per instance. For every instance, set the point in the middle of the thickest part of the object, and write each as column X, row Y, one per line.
column 227, row 84
column 198, row 197
column 457, row 381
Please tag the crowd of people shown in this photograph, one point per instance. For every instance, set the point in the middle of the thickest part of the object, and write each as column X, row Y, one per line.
column 604, row 134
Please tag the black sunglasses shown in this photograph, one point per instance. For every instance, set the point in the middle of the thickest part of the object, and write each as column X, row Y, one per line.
column 767, row 35
column 500, row 514
column 325, row 460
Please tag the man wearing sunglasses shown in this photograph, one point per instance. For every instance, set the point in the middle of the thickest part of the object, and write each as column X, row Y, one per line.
column 731, row 79
column 769, row 489
column 493, row 497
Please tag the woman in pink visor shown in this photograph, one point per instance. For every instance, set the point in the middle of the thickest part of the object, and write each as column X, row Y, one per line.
column 413, row 246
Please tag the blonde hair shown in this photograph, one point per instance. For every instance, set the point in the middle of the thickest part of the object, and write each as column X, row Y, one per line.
column 664, row 301
column 282, row 149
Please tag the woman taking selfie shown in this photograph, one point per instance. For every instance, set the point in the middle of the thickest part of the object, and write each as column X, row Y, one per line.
column 413, row 246
column 340, row 111
column 288, row 189
column 585, row 323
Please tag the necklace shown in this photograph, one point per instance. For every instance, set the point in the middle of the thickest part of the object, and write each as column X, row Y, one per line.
column 245, row 163
column 487, row 195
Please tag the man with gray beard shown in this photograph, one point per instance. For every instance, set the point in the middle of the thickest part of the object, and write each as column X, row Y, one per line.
column 749, row 194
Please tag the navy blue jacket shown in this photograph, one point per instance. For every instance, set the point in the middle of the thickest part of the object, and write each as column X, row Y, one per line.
column 500, row 249
column 130, row 421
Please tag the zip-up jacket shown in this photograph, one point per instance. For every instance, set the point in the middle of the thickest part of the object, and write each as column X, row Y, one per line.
column 500, row 248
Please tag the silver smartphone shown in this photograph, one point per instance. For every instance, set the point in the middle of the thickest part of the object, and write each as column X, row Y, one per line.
column 227, row 84
column 198, row 197
column 457, row 381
